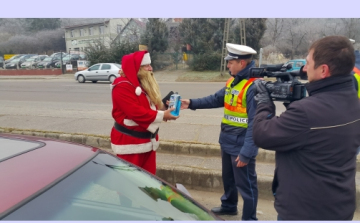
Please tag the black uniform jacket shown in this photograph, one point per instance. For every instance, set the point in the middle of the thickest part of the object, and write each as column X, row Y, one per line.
column 315, row 141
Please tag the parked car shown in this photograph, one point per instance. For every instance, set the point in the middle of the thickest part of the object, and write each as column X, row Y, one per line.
column 2, row 62
column 296, row 64
column 99, row 72
column 52, row 180
column 33, row 61
column 68, row 59
column 41, row 58
column 13, row 58
column 23, row 58
column 48, row 62
column 58, row 55
column 13, row 64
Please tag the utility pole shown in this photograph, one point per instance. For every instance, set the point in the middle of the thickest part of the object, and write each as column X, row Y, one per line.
column 224, row 51
column 242, row 32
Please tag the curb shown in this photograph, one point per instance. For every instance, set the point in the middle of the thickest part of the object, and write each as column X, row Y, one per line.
column 103, row 142
column 190, row 177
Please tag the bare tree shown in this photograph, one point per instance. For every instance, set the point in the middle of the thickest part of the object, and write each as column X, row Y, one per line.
column 275, row 27
column 293, row 36
column 351, row 27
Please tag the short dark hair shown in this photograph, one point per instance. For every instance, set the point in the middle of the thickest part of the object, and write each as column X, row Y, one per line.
column 335, row 51
column 248, row 60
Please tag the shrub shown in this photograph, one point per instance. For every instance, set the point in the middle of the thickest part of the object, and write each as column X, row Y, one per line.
column 206, row 61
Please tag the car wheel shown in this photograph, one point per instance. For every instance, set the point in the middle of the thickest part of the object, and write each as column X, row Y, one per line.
column 112, row 78
column 94, row 81
column 81, row 79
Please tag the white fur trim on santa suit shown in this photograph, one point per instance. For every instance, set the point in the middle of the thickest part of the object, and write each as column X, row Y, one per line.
column 129, row 122
column 113, row 85
column 138, row 91
column 156, row 123
column 146, row 59
column 135, row 148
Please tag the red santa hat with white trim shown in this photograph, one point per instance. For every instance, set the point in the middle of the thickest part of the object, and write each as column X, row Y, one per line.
column 130, row 64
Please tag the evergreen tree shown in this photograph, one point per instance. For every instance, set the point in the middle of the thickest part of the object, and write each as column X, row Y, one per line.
column 203, row 35
column 155, row 38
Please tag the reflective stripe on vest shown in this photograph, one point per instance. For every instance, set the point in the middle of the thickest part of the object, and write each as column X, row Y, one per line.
column 357, row 77
column 235, row 103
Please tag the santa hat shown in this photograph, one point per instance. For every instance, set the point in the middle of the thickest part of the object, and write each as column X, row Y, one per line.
column 130, row 64
column 146, row 59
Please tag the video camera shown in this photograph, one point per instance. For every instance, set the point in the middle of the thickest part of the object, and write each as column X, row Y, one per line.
column 286, row 87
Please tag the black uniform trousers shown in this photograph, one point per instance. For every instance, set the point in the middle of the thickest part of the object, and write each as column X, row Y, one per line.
column 242, row 179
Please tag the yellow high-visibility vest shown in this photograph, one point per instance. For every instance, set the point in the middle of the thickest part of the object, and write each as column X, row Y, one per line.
column 235, row 103
column 357, row 77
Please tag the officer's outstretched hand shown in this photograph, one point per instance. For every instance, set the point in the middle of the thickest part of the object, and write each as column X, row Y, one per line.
column 185, row 103
column 261, row 94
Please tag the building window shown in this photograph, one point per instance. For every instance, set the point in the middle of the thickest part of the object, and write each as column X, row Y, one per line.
column 91, row 32
column 101, row 29
column 72, row 34
column 119, row 28
column 81, row 32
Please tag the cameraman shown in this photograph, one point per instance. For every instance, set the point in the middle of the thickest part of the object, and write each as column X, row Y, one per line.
column 316, row 138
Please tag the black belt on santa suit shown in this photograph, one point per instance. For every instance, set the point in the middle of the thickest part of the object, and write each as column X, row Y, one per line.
column 142, row 135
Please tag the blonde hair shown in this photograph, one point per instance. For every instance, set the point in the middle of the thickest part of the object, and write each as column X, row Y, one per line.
column 150, row 85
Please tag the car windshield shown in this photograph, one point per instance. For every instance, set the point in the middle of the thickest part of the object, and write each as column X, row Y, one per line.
column 66, row 57
column 47, row 59
column 15, row 60
column 56, row 54
column 30, row 59
column 16, row 56
column 117, row 65
column 107, row 188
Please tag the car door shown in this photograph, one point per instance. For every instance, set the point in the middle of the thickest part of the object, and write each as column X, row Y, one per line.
column 93, row 72
column 105, row 71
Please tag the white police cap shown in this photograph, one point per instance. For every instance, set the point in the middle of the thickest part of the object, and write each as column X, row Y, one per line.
column 236, row 51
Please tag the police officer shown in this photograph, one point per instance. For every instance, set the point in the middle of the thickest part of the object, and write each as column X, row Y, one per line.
column 356, row 77
column 238, row 150
column 356, row 70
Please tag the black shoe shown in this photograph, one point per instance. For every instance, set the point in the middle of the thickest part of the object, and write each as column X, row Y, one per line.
column 223, row 211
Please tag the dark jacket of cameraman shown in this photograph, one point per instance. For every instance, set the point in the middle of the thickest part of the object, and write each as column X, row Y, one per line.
column 315, row 141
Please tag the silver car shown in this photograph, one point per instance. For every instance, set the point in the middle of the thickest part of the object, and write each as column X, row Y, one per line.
column 32, row 61
column 99, row 72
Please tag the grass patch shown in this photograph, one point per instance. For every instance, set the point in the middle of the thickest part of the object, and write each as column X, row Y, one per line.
column 203, row 76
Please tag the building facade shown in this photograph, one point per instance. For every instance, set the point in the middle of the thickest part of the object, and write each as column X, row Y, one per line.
column 78, row 37
column 132, row 32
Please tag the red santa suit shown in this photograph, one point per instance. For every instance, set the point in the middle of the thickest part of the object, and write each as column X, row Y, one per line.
column 133, row 110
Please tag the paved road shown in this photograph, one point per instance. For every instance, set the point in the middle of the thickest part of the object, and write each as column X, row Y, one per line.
column 66, row 106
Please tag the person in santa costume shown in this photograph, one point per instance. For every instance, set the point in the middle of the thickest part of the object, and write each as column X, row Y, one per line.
column 138, row 111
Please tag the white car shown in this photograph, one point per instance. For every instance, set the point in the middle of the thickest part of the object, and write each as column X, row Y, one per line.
column 99, row 72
